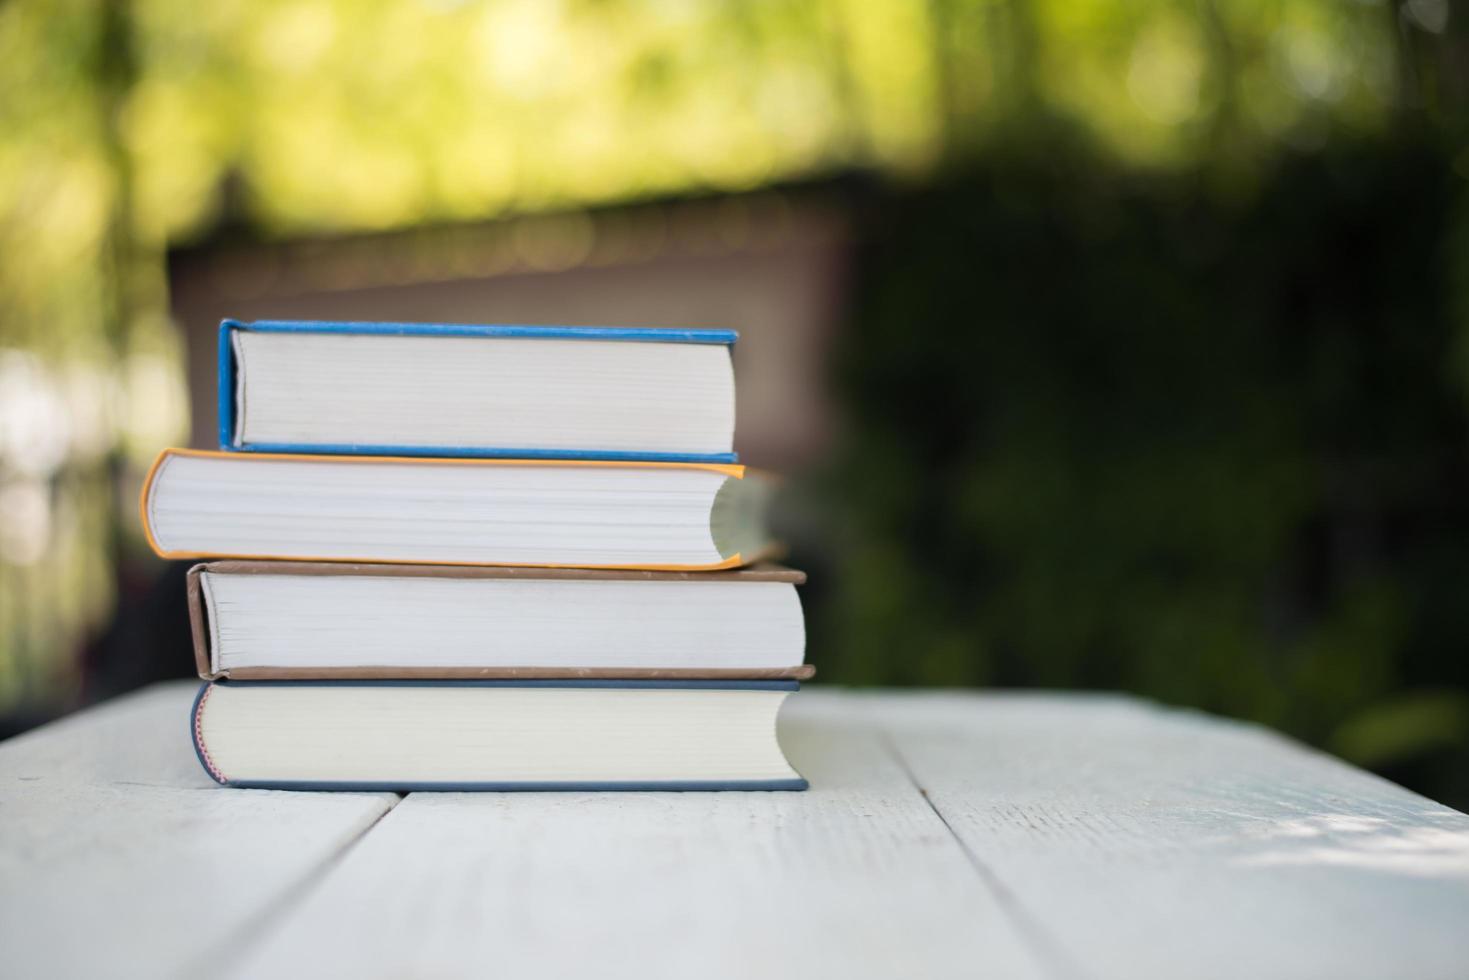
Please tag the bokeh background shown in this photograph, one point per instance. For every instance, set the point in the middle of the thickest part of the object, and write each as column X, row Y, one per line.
column 1106, row 344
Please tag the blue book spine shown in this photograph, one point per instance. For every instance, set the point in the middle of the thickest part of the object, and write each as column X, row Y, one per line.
column 228, row 375
column 196, row 736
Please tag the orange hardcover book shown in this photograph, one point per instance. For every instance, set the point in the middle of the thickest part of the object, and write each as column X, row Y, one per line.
column 420, row 510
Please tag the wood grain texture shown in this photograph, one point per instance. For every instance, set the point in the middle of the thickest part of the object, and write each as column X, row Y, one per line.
column 119, row 857
column 855, row 878
column 1054, row 836
column 1143, row 842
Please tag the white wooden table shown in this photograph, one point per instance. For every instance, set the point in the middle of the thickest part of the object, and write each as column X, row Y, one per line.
column 945, row 835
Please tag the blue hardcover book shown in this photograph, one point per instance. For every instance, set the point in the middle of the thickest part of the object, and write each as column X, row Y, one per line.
column 501, row 735
column 491, row 391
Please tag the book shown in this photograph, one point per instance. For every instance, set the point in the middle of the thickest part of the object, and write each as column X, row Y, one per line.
column 405, row 736
column 507, row 391
column 284, row 620
column 599, row 514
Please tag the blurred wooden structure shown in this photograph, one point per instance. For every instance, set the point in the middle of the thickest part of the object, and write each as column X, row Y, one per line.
column 770, row 264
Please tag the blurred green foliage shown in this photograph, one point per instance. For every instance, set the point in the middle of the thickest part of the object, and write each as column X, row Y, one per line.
column 344, row 114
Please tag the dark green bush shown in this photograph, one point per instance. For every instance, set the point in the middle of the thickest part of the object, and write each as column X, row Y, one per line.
column 1167, row 435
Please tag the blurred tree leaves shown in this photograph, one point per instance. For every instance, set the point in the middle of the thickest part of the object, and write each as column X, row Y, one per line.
column 341, row 114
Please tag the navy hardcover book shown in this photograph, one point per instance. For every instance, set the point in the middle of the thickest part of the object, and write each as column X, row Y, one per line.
column 493, row 735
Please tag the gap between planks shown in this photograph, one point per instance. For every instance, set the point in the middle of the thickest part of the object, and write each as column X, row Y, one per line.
column 292, row 896
column 1043, row 945
column 856, row 873
column 1046, row 947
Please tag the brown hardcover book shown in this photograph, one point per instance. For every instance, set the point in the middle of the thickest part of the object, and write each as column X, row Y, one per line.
column 279, row 620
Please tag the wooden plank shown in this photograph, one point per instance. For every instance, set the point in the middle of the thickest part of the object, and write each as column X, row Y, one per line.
column 120, row 857
column 856, row 878
column 1100, row 837
column 1153, row 843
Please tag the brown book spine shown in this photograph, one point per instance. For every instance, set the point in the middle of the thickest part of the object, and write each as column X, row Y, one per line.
column 761, row 572
column 198, row 625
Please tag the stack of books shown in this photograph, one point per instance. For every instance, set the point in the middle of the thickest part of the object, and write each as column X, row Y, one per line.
column 480, row 557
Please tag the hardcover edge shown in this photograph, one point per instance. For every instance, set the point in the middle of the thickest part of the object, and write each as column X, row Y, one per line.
column 194, row 594
column 629, row 684
column 196, row 734
column 804, row 672
column 762, row 572
column 228, row 375
column 225, row 385
column 469, row 452
column 687, row 786
column 714, row 336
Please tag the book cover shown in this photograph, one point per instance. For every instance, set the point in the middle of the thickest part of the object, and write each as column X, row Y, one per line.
column 145, row 497
column 228, row 377
column 794, row 782
column 199, row 624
